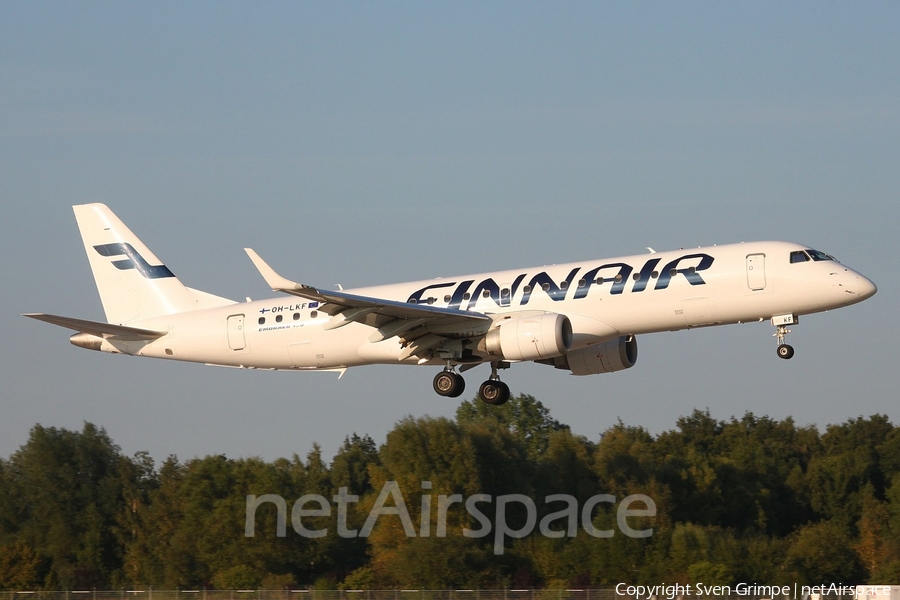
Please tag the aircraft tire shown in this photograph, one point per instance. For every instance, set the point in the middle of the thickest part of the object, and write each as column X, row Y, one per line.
column 494, row 392
column 785, row 351
column 449, row 384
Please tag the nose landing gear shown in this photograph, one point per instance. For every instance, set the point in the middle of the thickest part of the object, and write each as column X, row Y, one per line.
column 785, row 350
column 781, row 322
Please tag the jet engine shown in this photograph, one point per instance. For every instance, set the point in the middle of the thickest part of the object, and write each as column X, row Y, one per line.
column 530, row 337
column 614, row 355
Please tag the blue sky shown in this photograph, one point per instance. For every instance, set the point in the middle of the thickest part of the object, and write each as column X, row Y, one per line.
column 372, row 143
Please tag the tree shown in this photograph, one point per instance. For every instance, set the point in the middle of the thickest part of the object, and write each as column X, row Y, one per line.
column 352, row 469
column 822, row 552
column 525, row 417
column 66, row 489
column 350, row 466
column 849, row 462
column 20, row 567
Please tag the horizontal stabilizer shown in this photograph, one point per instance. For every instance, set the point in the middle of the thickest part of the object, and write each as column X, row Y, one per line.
column 121, row 332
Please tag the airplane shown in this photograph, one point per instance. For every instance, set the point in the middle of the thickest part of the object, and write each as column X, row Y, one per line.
column 581, row 317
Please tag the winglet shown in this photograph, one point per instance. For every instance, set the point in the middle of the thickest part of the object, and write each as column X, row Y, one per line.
column 275, row 281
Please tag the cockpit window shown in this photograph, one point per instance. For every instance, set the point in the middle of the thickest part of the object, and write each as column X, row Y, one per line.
column 816, row 255
column 799, row 256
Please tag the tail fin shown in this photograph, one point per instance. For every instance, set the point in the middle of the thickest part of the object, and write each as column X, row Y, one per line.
column 134, row 285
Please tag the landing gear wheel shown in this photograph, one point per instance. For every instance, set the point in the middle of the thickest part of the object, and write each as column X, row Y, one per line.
column 785, row 351
column 494, row 392
column 781, row 322
column 449, row 384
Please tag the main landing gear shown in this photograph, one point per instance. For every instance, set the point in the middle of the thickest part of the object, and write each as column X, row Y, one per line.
column 493, row 391
column 450, row 384
column 784, row 351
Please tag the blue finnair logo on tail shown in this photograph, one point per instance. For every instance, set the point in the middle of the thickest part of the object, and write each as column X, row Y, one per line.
column 134, row 260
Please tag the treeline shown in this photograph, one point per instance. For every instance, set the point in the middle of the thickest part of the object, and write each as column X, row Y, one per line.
column 746, row 500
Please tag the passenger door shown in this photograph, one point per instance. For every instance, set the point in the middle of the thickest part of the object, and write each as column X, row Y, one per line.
column 756, row 271
column 236, row 332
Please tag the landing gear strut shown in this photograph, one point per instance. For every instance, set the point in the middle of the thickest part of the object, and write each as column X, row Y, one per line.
column 449, row 383
column 785, row 351
column 493, row 391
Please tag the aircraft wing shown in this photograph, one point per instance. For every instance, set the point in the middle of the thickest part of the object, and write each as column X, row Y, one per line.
column 121, row 332
column 355, row 307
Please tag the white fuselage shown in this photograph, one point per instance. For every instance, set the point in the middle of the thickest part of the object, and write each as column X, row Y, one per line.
column 603, row 299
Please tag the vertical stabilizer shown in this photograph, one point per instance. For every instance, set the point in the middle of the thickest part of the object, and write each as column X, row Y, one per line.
column 134, row 285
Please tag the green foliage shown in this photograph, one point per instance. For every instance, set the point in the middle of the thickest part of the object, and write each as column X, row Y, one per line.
column 64, row 492
column 748, row 499
column 362, row 578
column 823, row 552
column 350, row 467
column 238, row 577
column 710, row 573
column 20, row 567
column 525, row 417
column 850, row 461
column 465, row 459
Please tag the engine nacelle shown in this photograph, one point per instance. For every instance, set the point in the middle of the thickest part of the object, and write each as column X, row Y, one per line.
column 531, row 337
column 614, row 355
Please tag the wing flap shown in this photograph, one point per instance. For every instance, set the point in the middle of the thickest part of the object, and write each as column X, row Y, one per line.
column 122, row 332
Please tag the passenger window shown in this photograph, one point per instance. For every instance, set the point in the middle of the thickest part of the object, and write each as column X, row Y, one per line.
column 278, row 319
column 296, row 316
column 262, row 321
column 447, row 298
column 798, row 256
column 313, row 315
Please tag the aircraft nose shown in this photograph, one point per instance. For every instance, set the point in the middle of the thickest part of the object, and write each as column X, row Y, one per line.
column 864, row 287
